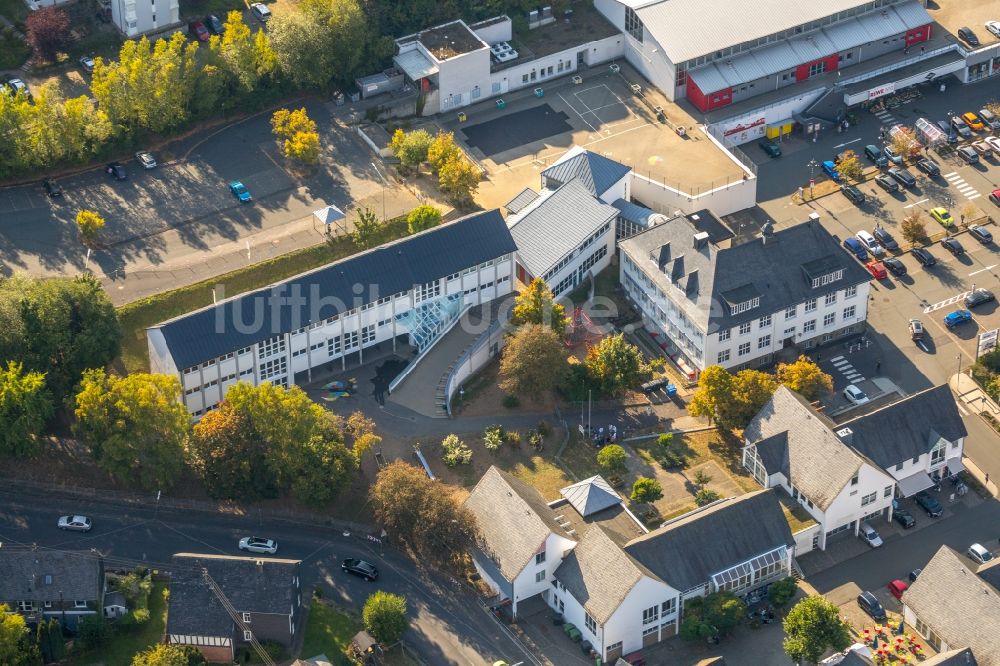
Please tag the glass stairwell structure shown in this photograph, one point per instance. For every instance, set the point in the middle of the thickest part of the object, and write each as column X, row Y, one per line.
column 427, row 321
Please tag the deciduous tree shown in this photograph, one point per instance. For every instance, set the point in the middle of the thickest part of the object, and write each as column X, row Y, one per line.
column 731, row 400
column 47, row 31
column 805, row 377
column 646, row 490
column 455, row 451
column 812, row 627
column 410, row 148
column 611, row 458
column 169, row 655
column 25, row 407
column 442, row 150
column 913, row 228
column 136, row 426
column 367, row 228
column 850, row 165
column 422, row 218
column 782, row 591
column 537, row 305
column 533, row 361
column 420, row 513
column 714, row 615
column 89, row 225
column 615, row 364
column 296, row 132
column 904, row 142
column 16, row 649
column 459, row 179
column 384, row 616
column 362, row 432
column 231, row 456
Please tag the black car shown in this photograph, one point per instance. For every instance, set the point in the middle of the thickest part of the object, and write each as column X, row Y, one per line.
column 961, row 127
column 978, row 297
column 967, row 36
column 929, row 167
column 214, row 25
column 887, row 183
column 116, row 171
column 853, row 193
column 904, row 518
column 953, row 246
column 769, row 147
column 981, row 234
column 924, row 256
column 359, row 568
column 894, row 266
column 871, row 605
column 903, row 177
column 885, row 239
column 914, row 574
column 52, row 188
column 929, row 504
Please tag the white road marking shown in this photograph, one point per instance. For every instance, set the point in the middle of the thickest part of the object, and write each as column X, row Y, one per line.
column 950, row 173
column 961, row 409
column 946, row 302
column 836, row 358
column 841, row 145
column 983, row 270
column 915, row 203
column 974, row 196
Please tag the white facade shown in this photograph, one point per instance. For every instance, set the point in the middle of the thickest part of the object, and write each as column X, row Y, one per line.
column 535, row 73
column 135, row 17
column 590, row 257
column 753, row 124
column 537, row 576
column 646, row 55
column 278, row 359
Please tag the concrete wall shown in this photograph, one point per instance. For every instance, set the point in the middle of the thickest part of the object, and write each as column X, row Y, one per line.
column 804, row 539
column 847, row 505
column 134, row 17
column 464, row 79
column 494, row 33
column 482, row 352
column 645, row 56
column 752, row 125
column 723, row 200
column 512, row 78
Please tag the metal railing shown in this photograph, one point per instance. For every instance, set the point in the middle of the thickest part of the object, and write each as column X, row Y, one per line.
column 451, row 384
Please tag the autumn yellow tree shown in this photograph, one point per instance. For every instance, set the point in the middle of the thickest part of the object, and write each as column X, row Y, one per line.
column 89, row 225
column 442, row 150
column 537, row 305
column 805, row 377
column 850, row 166
column 459, row 179
column 298, row 135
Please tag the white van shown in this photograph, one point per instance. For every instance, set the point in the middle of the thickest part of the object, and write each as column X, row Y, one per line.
column 870, row 243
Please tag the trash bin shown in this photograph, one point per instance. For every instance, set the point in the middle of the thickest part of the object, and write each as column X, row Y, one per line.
column 501, row 104
column 539, row 92
column 462, row 117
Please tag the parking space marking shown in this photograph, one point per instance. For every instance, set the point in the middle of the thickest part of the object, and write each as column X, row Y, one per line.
column 916, row 203
column 983, row 270
column 946, row 302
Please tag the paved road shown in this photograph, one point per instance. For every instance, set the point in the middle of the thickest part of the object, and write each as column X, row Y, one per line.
column 449, row 625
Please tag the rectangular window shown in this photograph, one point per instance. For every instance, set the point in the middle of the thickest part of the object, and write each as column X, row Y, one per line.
column 765, row 321
column 591, row 624
column 276, row 367
column 831, row 298
column 25, row 606
column 744, row 328
column 868, row 499
column 899, row 466
column 817, row 68
column 811, row 305
column 764, row 342
column 650, row 615
column 744, row 349
column 887, row 492
column 247, row 635
column 368, row 334
column 48, row 579
column 633, row 26
column 539, row 558
column 614, row 647
column 79, row 603
column 47, row 604
column 790, row 312
column 540, row 576
column 851, row 292
column 829, row 319
column 809, row 326
column 724, row 334
column 849, row 312
column 668, row 607
column 723, row 356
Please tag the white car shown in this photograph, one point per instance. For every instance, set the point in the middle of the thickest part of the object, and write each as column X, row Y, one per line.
column 261, row 11
column 994, row 143
column 88, row 64
column 978, row 553
column 259, row 545
column 994, row 27
column 855, row 395
column 869, row 535
column 75, row 523
column 145, row 159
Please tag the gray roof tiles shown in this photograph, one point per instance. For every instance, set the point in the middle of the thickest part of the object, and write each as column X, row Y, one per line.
column 251, row 585
column 596, row 172
column 75, row 575
column 818, row 463
column 389, row 269
column 958, row 605
column 908, row 428
column 524, row 198
column 558, row 224
column 591, row 495
column 687, row 551
column 636, row 213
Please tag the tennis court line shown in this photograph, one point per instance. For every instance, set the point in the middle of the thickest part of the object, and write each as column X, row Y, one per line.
column 573, row 109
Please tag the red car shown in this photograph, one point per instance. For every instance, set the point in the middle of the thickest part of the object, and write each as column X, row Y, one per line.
column 198, row 31
column 995, row 197
column 897, row 587
column 876, row 268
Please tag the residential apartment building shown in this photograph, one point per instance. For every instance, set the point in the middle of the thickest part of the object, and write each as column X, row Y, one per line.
column 45, row 584
column 587, row 557
column 955, row 605
column 220, row 603
column 406, row 292
column 710, row 302
column 137, row 17
column 845, row 474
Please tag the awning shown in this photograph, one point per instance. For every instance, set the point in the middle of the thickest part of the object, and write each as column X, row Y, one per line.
column 912, row 485
column 955, row 466
column 415, row 64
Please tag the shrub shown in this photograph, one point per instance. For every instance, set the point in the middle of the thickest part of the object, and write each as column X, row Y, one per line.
column 665, row 440
column 511, row 401
column 646, row 490
column 612, row 458
column 781, row 592
column 705, row 496
column 140, row 615
column 493, row 438
column 535, row 440
column 543, row 428
column 93, row 632
column 455, row 451
column 514, row 437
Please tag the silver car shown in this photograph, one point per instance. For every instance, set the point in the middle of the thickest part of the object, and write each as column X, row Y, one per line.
column 259, row 545
column 75, row 523
column 146, row 159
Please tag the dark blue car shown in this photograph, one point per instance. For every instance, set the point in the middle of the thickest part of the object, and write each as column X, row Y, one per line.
column 854, row 246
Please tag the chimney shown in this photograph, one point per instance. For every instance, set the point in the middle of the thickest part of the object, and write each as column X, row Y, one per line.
column 664, row 256
column 700, row 239
column 677, row 272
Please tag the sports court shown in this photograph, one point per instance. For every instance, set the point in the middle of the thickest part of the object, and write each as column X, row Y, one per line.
column 507, row 132
column 599, row 107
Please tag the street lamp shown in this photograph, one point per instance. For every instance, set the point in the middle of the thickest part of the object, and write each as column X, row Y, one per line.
column 383, row 188
column 959, row 357
column 812, row 171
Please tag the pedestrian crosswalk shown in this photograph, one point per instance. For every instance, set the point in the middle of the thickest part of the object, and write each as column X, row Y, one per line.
column 845, row 368
column 886, row 118
column 967, row 191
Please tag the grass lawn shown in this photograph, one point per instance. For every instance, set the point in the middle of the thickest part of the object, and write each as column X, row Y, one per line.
column 329, row 631
column 125, row 646
column 136, row 316
column 13, row 51
column 14, row 10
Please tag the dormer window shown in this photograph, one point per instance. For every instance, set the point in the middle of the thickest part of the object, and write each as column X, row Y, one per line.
column 745, row 305
column 828, row 278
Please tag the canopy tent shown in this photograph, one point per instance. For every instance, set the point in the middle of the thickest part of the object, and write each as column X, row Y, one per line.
column 333, row 218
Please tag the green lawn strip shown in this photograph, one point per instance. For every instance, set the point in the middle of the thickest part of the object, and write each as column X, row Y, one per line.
column 124, row 646
column 135, row 317
column 329, row 631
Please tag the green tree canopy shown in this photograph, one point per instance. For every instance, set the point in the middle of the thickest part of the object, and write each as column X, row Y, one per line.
column 537, row 305
column 410, row 148
column 459, row 179
column 59, row 326
column 615, row 364
column 25, row 407
column 714, row 615
column 136, row 426
column 812, row 627
column 367, row 228
column 646, row 490
column 611, row 458
column 16, row 649
column 421, row 513
column 384, row 616
column 231, row 455
column 533, row 361
column 422, row 218
column 169, row 655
